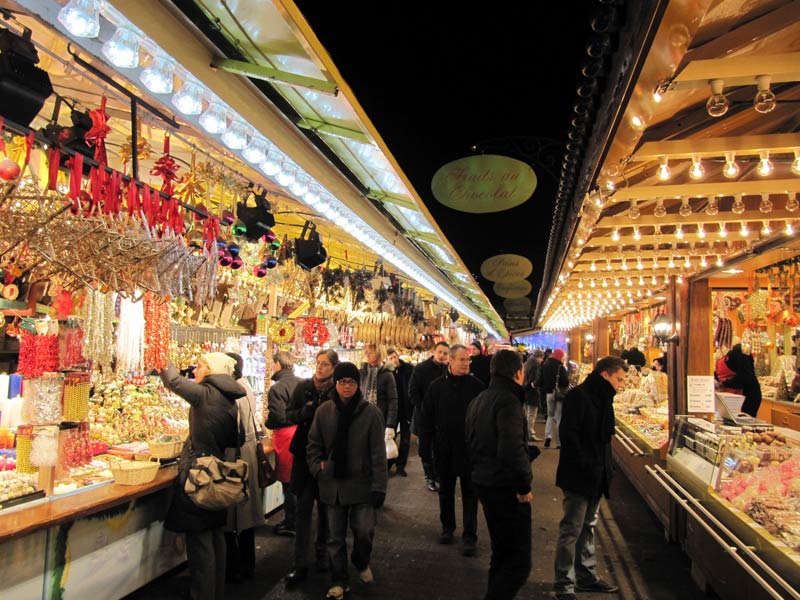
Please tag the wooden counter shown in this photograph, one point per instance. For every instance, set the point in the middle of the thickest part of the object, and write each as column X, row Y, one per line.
column 23, row 521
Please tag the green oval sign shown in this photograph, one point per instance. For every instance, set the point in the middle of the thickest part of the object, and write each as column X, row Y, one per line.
column 484, row 183
column 506, row 267
column 513, row 289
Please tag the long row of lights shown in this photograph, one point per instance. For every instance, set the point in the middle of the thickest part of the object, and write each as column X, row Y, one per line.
column 731, row 168
column 681, row 230
column 81, row 18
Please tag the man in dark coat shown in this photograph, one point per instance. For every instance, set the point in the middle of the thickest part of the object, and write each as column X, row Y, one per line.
column 402, row 375
column 553, row 381
column 584, row 474
column 421, row 378
column 347, row 456
column 744, row 378
column 497, row 438
column 532, row 396
column 442, row 428
column 479, row 362
column 378, row 386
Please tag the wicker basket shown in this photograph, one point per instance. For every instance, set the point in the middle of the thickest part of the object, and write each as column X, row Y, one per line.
column 134, row 473
column 165, row 450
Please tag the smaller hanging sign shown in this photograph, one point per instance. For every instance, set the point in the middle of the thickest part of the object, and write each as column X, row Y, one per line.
column 517, row 306
column 513, row 289
column 506, row 267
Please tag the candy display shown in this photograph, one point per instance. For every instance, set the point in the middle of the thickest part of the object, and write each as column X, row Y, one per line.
column 14, row 485
column 642, row 406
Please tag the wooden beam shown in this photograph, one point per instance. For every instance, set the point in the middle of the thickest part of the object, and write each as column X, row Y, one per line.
column 275, row 76
column 708, row 147
column 672, row 219
column 738, row 70
column 707, row 190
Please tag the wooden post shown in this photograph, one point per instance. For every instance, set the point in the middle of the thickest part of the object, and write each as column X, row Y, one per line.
column 601, row 338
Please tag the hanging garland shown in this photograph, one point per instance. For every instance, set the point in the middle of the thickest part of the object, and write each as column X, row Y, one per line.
column 281, row 331
column 315, row 333
column 156, row 332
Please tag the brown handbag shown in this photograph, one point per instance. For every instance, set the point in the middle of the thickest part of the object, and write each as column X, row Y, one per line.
column 266, row 472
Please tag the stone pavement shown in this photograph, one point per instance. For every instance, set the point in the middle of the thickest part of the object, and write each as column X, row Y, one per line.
column 409, row 564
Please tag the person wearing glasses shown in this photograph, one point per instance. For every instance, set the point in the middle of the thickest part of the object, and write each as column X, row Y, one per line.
column 347, row 456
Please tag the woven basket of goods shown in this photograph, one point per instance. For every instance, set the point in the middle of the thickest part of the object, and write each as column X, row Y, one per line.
column 165, row 446
column 134, row 473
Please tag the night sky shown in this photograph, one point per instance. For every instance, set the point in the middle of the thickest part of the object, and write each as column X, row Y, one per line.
column 439, row 78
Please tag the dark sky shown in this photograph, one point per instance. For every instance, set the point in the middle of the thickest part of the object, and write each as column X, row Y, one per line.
column 439, row 77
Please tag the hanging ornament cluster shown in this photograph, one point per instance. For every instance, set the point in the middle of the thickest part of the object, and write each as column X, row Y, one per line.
column 315, row 332
column 130, row 336
column 38, row 354
column 98, row 342
column 156, row 332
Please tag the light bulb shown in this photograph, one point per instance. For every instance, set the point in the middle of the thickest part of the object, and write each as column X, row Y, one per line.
column 629, row 282
column 686, row 209
column 731, row 168
column 766, row 230
column 659, row 211
column 764, row 101
column 286, row 176
column 636, row 234
column 701, row 233
column 765, row 206
column 580, row 283
column 311, row 198
column 722, row 231
column 703, row 261
column 624, row 264
column 122, row 49
column 679, row 232
column 679, row 279
column 634, row 212
column 616, row 282
column 639, row 264
column 593, row 267
column 764, row 167
column 789, row 229
column 719, row 261
column 81, row 18
column 666, row 279
column 653, row 280
column 235, row 136
column 299, row 186
column 687, row 263
column 738, row 206
column 605, row 283
column 608, row 264
column 655, row 261
column 796, row 163
column 188, row 99
column 157, row 76
column 272, row 164
column 592, row 283
column 712, row 208
column 717, row 104
column 671, row 264
column 615, row 235
column 256, row 151
column 696, row 171
column 664, row 172
column 641, row 280
column 791, row 203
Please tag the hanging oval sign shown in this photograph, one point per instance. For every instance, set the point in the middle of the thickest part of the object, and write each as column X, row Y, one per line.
column 517, row 306
column 484, row 183
column 513, row 289
column 506, row 268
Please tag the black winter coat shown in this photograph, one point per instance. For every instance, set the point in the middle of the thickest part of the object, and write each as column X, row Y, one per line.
column 300, row 411
column 587, row 425
column 444, row 412
column 402, row 375
column 552, row 374
column 421, row 378
column 387, row 393
column 278, row 398
column 479, row 367
column 744, row 379
column 212, row 429
column 496, row 432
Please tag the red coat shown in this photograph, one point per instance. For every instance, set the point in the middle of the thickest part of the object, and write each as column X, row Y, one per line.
column 724, row 372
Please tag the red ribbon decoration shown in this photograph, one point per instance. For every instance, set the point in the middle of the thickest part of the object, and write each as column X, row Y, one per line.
column 75, row 180
column 134, row 205
column 54, row 162
column 166, row 168
column 211, row 232
column 96, row 136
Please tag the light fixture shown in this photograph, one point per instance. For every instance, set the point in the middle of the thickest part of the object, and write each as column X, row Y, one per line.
column 666, row 279
column 679, row 232
column 286, row 176
column 719, row 260
column 738, row 206
column 235, row 136
column 637, row 122
column 687, row 262
column 188, row 99
column 671, row 264
column 655, row 261
column 696, row 171
column 717, row 104
column 701, row 233
column 764, row 100
column 641, row 280
column 679, row 279
column 659, row 211
column 300, row 186
column 256, row 151
column 593, row 267
column 616, row 281
column 703, row 261
column 791, row 202
column 789, row 229
column 765, row 206
column 580, row 283
column 766, row 230
column 272, row 164
column 157, row 76
column 81, row 18
column 608, row 264
column 214, row 120
column 629, row 282
column 605, row 282
column 615, row 235
column 722, row 231
column 636, row 233
column 796, row 163
column 731, row 168
column 653, row 280
column 634, row 212
column 712, row 208
column 664, row 172
column 764, row 167
column 592, row 284
column 686, row 209
column 122, row 49
column 639, row 265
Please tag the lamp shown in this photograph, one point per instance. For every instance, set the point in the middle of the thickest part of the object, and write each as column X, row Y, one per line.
column 309, row 251
column 81, row 18
column 122, row 50
column 717, row 104
column 663, row 330
column 764, row 100
column 23, row 86
column 258, row 219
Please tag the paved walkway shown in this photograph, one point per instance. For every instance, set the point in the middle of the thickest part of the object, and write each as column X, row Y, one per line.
column 409, row 564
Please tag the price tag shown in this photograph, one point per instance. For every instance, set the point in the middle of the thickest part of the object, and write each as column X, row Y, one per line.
column 700, row 393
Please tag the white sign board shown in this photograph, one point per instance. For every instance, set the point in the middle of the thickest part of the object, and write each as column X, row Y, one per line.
column 700, row 393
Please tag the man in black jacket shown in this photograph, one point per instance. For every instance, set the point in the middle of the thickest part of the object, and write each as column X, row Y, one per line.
column 421, row 378
column 479, row 362
column 584, row 473
column 402, row 375
column 552, row 382
column 444, row 411
column 497, row 437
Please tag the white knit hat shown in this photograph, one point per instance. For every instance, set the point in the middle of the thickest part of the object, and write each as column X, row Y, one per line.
column 219, row 363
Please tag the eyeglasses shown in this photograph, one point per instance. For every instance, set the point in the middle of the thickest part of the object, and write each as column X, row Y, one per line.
column 347, row 382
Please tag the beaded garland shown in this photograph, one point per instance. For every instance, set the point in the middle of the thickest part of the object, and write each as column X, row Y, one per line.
column 98, row 341
column 130, row 336
column 156, row 332
column 37, row 354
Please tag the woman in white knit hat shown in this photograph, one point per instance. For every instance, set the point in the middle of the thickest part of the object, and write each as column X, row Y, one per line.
column 212, row 429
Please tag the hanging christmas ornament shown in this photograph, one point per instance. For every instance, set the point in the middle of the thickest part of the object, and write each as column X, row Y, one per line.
column 225, row 258
column 236, row 262
column 227, row 217
column 260, row 271
column 275, row 244
column 9, row 169
column 96, row 136
column 269, row 236
column 238, row 228
column 271, row 262
column 166, row 168
column 143, row 148
column 234, row 249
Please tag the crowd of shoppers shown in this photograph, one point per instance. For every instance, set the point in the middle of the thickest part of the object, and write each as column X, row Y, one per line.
column 330, row 434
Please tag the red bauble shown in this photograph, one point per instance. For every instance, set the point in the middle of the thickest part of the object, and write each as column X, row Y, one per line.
column 9, row 169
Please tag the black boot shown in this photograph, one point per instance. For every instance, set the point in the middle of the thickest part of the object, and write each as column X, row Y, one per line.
column 296, row 576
